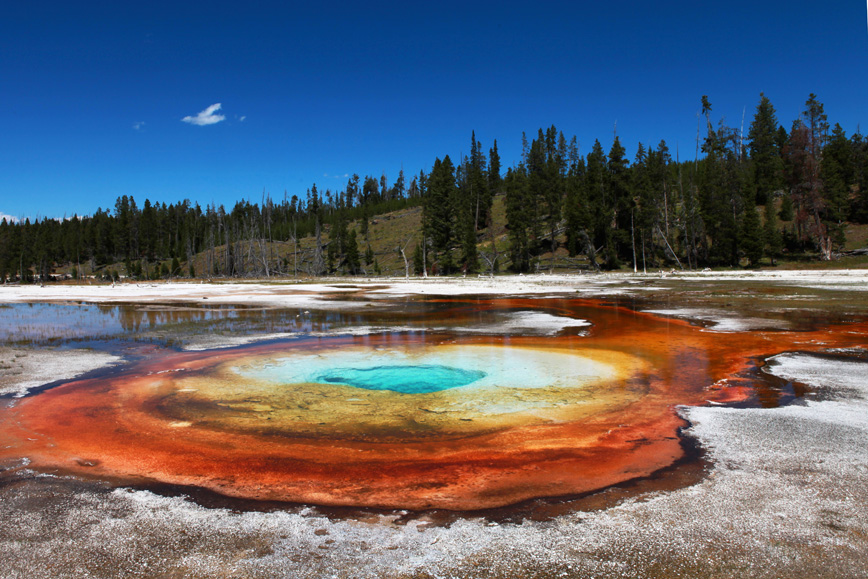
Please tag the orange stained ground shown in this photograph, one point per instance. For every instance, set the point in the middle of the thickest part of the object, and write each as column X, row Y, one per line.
column 174, row 418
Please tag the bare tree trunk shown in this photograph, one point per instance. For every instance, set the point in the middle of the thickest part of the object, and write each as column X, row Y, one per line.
column 317, row 257
column 263, row 255
column 424, row 257
column 686, row 217
column 404, row 256
column 678, row 261
column 492, row 263
column 644, row 270
column 823, row 237
column 552, row 240
column 227, row 266
column 250, row 257
column 295, row 245
column 633, row 240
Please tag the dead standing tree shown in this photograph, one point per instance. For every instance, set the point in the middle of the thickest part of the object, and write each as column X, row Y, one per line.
column 401, row 250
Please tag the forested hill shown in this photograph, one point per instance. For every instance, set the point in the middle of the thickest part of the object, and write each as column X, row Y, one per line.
column 742, row 200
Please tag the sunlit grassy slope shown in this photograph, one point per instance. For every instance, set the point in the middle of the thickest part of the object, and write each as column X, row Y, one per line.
column 401, row 229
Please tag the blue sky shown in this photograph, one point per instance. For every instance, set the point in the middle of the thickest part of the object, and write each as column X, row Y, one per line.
column 92, row 94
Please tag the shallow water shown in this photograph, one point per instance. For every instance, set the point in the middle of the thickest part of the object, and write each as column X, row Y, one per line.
column 39, row 324
column 412, row 379
column 450, row 403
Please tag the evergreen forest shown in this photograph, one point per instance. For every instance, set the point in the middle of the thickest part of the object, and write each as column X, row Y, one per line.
column 743, row 198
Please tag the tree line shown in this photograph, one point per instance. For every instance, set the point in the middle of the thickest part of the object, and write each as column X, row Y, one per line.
column 153, row 240
column 742, row 197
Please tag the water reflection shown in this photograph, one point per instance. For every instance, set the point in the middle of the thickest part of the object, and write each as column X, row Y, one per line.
column 179, row 324
column 44, row 324
column 537, row 428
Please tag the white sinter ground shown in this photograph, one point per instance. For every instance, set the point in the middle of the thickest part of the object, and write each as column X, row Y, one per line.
column 525, row 323
column 722, row 321
column 786, row 496
column 285, row 293
column 24, row 368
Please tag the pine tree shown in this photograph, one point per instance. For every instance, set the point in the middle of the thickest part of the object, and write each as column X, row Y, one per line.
column 479, row 194
column 752, row 240
column 764, row 152
column 722, row 180
column 518, row 219
column 398, row 191
column 597, row 195
column 495, row 183
column 352, row 253
column 772, row 232
column 5, row 247
column 331, row 257
column 555, row 180
column 465, row 210
column 647, row 202
column 804, row 151
column 148, row 231
column 706, row 210
column 859, row 210
column 786, row 212
column 469, row 254
column 438, row 211
column 339, row 236
column 352, row 192
column 576, row 209
column 418, row 260
column 545, row 183
column 619, row 246
column 369, row 195
column 314, row 209
column 837, row 172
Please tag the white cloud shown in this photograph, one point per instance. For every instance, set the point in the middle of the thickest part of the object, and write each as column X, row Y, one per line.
column 137, row 126
column 241, row 118
column 206, row 117
column 8, row 218
column 327, row 176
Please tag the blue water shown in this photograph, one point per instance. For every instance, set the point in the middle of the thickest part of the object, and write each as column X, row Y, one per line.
column 404, row 379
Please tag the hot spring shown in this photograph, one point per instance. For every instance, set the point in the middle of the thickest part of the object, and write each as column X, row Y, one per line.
column 476, row 412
